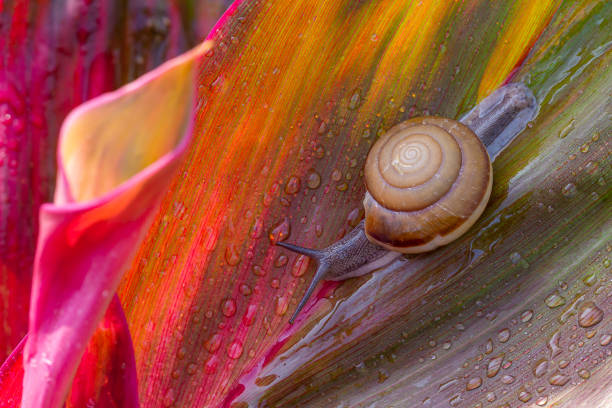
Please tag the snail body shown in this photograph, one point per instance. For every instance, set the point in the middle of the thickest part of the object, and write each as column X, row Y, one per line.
column 428, row 180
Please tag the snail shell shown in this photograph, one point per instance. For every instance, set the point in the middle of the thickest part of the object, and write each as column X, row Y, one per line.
column 428, row 181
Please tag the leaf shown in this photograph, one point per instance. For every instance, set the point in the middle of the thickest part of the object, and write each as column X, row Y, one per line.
column 287, row 115
column 87, row 237
column 57, row 55
column 518, row 310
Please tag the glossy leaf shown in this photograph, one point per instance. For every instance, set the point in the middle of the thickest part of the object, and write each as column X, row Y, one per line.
column 88, row 235
column 287, row 115
column 56, row 55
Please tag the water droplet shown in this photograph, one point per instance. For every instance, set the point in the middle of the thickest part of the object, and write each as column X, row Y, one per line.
column 491, row 396
column 567, row 129
column 281, row 231
column 281, row 261
column 342, row 187
column 245, row 289
column 563, row 363
column 191, row 369
column 494, row 365
column 300, row 266
column 569, row 190
column 517, row 259
column 589, row 314
column 275, row 283
column 590, row 279
column 336, row 175
column 231, row 255
column 181, row 353
column 257, row 228
column 571, row 309
column 455, row 400
column 169, row 398
column 354, row 217
column 489, row 347
column 258, row 270
column 558, row 379
column 605, row 339
column 584, row 148
column 473, row 383
column 446, row 345
column 322, row 128
column 541, row 368
column 213, row 344
column 228, row 307
column 446, row 385
column 584, row 373
column 234, row 350
column 553, row 344
column 526, row 316
column 542, row 400
column 507, row 379
column 554, row 300
column 355, row 99
column 313, row 180
column 293, row 185
column 210, row 367
column 592, row 167
column 504, row 335
column 249, row 315
column 524, row 395
column 282, row 303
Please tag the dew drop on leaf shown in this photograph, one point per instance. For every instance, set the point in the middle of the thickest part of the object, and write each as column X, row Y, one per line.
column 526, row 316
column 355, row 99
column 282, row 303
column 281, row 261
column 473, row 383
column 569, row 190
column 584, row 373
column 293, row 185
column 281, row 231
column 231, row 255
column 210, row 367
column 213, row 344
column 313, row 180
column 169, row 398
column 589, row 314
column 504, row 335
column 494, row 365
column 524, row 395
column 540, row 368
column 554, row 300
column 228, row 307
column 234, row 350
column 258, row 270
column 300, row 266
column 249, row 315
column 559, row 379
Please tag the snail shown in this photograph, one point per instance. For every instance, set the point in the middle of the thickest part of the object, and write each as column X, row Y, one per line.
column 427, row 181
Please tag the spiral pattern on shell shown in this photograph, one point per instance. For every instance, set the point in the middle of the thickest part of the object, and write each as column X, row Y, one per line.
column 428, row 181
